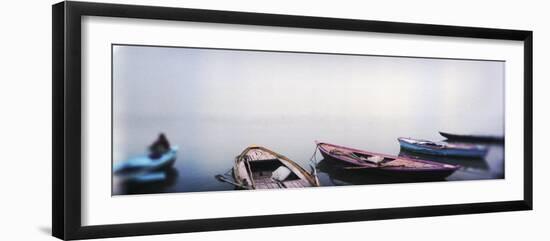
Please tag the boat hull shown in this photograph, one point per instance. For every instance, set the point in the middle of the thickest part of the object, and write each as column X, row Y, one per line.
column 471, row 153
column 151, row 182
column 465, row 162
column 139, row 168
column 472, row 138
column 394, row 173
column 434, row 171
column 255, row 167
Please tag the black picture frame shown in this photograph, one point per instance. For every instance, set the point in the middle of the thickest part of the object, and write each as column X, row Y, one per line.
column 67, row 136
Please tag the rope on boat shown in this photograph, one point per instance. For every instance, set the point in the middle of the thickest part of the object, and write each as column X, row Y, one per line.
column 313, row 162
column 313, row 158
column 222, row 178
column 227, row 177
column 228, row 172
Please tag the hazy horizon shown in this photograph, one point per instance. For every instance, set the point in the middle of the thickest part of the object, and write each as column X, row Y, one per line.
column 218, row 84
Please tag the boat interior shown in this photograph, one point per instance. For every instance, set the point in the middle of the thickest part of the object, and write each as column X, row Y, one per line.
column 270, row 172
column 424, row 143
column 378, row 161
column 371, row 158
column 391, row 162
column 263, row 172
column 362, row 157
column 431, row 144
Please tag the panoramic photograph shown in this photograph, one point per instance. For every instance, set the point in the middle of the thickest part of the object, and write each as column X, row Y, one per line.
column 187, row 119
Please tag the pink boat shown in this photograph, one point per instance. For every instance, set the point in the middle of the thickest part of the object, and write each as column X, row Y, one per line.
column 386, row 165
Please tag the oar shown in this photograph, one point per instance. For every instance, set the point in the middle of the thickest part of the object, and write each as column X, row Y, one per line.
column 222, row 178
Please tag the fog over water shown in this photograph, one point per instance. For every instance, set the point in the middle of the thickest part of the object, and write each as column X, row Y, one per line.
column 214, row 103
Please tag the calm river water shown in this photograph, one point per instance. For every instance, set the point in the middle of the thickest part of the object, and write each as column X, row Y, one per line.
column 207, row 152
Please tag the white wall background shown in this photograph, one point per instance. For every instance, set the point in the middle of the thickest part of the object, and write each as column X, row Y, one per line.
column 25, row 126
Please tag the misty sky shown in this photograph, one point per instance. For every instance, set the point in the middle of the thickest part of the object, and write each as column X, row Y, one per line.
column 248, row 86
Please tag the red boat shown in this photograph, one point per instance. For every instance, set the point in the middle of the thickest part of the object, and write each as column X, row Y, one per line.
column 386, row 165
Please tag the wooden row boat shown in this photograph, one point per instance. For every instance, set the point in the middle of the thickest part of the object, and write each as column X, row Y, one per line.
column 144, row 168
column 386, row 165
column 464, row 162
column 472, row 138
column 442, row 148
column 260, row 168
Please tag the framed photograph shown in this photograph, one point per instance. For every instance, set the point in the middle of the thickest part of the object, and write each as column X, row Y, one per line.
column 169, row 120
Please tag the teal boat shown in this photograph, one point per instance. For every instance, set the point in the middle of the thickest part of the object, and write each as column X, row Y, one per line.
column 443, row 148
column 472, row 138
column 150, row 177
column 144, row 168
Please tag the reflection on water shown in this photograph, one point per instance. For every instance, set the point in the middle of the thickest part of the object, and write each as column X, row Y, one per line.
column 156, row 182
column 215, row 103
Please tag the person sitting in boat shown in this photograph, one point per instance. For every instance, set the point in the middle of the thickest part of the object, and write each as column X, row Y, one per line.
column 159, row 147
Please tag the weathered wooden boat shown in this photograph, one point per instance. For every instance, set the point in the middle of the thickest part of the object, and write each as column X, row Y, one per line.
column 465, row 162
column 260, row 168
column 385, row 165
column 144, row 168
column 472, row 138
column 333, row 173
column 443, row 148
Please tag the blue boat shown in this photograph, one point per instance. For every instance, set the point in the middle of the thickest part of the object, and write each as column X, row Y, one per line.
column 144, row 168
column 442, row 148
column 149, row 177
column 472, row 138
